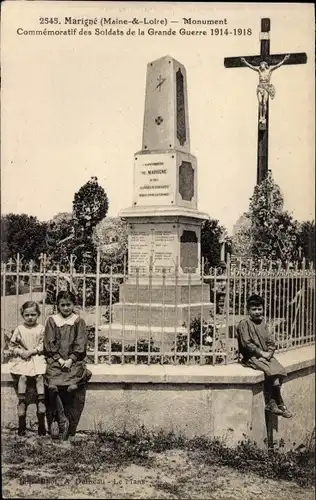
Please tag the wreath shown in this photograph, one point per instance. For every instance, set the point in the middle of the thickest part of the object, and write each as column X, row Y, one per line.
column 111, row 236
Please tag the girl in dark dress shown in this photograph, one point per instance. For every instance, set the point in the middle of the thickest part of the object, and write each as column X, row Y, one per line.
column 65, row 344
column 257, row 348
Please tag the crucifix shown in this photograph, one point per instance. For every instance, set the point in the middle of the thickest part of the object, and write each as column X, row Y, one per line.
column 264, row 64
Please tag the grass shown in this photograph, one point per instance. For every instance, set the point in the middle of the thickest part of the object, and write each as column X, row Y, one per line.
column 105, row 452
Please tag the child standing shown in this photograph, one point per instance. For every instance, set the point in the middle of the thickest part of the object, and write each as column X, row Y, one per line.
column 257, row 347
column 65, row 344
column 26, row 345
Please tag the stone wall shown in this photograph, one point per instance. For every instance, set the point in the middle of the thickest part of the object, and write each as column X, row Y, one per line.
column 225, row 401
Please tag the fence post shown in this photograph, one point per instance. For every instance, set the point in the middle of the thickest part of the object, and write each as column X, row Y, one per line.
column 97, row 300
column 31, row 279
column 227, row 307
column 150, row 284
column 3, row 310
column 123, row 311
column 44, row 285
column 163, row 316
column 136, row 314
column 84, row 287
column 189, row 317
column 214, row 343
column 201, row 322
column 303, row 322
column 17, row 286
column 176, row 282
column 110, row 313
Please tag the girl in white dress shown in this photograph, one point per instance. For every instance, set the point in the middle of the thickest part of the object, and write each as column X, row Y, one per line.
column 26, row 346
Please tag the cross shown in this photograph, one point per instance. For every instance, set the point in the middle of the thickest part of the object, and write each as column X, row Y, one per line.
column 160, row 82
column 266, row 90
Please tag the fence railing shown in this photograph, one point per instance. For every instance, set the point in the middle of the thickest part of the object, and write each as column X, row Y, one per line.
column 170, row 319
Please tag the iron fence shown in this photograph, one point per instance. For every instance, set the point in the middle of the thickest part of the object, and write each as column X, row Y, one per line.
column 166, row 319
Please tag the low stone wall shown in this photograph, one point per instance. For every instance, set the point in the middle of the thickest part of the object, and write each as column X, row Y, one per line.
column 225, row 401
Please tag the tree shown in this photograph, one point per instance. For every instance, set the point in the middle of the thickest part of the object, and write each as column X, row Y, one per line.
column 90, row 206
column 306, row 240
column 273, row 230
column 59, row 229
column 60, row 233
column 23, row 234
column 212, row 234
column 242, row 237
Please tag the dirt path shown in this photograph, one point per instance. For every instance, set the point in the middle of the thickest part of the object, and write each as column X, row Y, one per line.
column 173, row 474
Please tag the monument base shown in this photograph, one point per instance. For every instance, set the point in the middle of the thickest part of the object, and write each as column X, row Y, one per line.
column 145, row 314
column 164, row 288
column 164, row 240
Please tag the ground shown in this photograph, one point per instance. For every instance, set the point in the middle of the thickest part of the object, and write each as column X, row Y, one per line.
column 92, row 467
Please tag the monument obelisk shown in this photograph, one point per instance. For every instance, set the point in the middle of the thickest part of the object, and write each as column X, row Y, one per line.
column 164, row 224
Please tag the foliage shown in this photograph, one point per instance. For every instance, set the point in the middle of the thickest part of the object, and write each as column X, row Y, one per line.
column 201, row 338
column 104, row 450
column 90, row 206
column 267, row 230
column 273, row 230
column 307, row 239
column 84, row 289
column 296, row 464
column 60, row 233
column 23, row 234
column 212, row 234
column 242, row 238
column 143, row 346
column 71, row 233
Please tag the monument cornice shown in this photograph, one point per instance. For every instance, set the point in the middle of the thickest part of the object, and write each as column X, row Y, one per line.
column 161, row 151
column 163, row 211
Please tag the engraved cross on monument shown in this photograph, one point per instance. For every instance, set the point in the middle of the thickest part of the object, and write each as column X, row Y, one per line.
column 264, row 64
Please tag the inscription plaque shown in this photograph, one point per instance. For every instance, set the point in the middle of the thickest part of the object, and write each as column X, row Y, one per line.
column 189, row 252
column 186, row 181
column 139, row 252
column 154, row 180
column 164, row 251
column 159, row 243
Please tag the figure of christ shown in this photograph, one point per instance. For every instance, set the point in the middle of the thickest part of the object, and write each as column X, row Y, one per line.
column 264, row 89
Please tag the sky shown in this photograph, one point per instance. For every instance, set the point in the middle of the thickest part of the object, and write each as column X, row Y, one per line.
column 73, row 106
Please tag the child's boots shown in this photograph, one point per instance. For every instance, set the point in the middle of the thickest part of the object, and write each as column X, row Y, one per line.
column 41, row 411
column 285, row 412
column 22, row 415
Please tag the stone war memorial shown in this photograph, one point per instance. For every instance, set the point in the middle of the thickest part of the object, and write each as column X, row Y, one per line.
column 164, row 224
column 169, row 383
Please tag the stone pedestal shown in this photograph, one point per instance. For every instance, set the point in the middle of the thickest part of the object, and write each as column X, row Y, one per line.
column 164, row 291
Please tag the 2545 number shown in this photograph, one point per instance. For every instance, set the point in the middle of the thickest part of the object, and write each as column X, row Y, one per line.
column 48, row 20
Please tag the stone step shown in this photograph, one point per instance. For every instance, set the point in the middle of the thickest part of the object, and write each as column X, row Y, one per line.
column 160, row 314
column 116, row 332
column 164, row 293
column 164, row 339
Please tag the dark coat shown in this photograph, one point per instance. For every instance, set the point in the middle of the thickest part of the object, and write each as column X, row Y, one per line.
column 253, row 338
column 65, row 341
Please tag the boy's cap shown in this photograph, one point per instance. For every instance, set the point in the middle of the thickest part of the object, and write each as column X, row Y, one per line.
column 254, row 300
